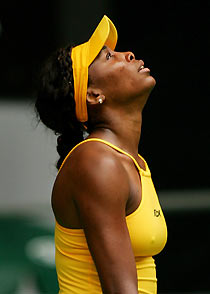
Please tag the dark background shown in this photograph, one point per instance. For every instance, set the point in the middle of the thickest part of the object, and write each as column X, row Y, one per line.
column 173, row 38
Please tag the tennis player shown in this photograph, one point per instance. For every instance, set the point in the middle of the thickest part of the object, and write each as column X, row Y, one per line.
column 108, row 221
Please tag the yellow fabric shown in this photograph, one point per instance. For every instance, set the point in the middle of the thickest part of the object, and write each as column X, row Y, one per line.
column 83, row 55
column 148, row 232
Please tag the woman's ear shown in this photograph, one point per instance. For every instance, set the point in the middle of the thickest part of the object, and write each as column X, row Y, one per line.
column 94, row 96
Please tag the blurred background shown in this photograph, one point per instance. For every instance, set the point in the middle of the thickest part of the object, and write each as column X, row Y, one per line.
column 172, row 37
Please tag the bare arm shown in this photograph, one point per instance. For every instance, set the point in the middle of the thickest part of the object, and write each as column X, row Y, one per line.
column 101, row 188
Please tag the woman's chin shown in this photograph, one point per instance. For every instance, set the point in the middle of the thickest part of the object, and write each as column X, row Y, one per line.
column 152, row 81
column 150, row 84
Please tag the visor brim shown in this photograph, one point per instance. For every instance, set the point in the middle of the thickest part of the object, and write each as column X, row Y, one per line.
column 104, row 35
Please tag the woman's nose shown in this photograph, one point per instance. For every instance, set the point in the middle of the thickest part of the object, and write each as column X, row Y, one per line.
column 129, row 56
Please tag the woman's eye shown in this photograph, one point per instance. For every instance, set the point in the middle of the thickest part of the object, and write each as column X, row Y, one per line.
column 108, row 55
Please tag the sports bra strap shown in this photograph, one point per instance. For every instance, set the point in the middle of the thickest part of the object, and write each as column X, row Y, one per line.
column 107, row 143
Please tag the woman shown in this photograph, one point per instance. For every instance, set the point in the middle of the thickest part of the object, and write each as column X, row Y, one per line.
column 109, row 222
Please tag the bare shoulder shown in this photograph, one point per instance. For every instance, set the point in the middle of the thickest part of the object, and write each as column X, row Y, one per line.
column 92, row 157
column 94, row 166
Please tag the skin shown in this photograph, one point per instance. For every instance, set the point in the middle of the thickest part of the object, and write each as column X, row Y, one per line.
column 96, row 192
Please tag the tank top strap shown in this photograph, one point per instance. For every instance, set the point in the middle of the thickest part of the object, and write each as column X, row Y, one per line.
column 104, row 142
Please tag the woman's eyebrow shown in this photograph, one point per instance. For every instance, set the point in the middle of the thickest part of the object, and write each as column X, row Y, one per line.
column 104, row 47
column 99, row 54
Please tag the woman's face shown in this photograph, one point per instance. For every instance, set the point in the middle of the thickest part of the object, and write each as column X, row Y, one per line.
column 119, row 75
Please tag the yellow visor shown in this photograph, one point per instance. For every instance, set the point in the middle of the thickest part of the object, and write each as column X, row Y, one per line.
column 83, row 55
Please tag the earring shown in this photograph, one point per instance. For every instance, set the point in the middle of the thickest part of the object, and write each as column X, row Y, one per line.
column 100, row 100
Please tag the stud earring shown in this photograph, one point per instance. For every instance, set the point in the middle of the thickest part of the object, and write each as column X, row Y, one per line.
column 100, row 100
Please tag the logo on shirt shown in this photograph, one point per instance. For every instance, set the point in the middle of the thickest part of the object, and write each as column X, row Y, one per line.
column 156, row 212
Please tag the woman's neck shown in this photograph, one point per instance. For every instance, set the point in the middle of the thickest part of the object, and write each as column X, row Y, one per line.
column 121, row 129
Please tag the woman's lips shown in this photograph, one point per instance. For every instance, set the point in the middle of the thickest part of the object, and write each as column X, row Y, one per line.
column 145, row 69
column 142, row 68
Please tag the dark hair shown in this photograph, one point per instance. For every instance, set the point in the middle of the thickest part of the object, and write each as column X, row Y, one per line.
column 55, row 105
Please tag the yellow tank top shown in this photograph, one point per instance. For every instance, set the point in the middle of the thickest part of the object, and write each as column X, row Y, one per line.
column 76, row 270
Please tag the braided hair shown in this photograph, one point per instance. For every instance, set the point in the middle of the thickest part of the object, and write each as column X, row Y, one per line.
column 55, row 105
